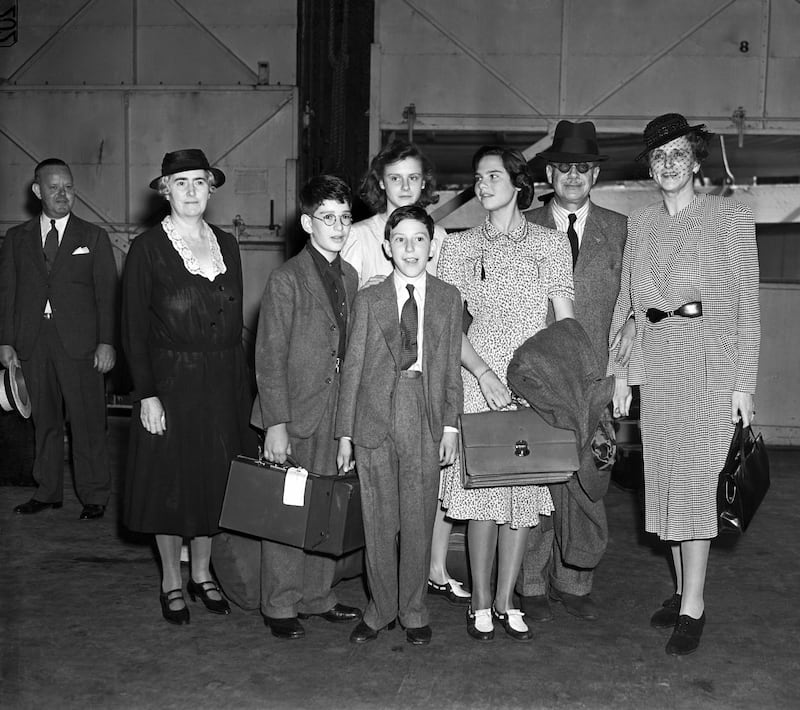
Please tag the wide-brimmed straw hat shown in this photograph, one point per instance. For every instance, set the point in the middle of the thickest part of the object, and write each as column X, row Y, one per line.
column 666, row 128
column 573, row 143
column 13, row 392
column 180, row 161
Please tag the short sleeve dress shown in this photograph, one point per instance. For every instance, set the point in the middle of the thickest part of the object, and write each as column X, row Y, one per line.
column 507, row 281
column 182, row 338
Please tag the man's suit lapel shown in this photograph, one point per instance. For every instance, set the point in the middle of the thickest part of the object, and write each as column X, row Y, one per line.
column 593, row 238
column 435, row 322
column 313, row 284
column 33, row 243
column 386, row 314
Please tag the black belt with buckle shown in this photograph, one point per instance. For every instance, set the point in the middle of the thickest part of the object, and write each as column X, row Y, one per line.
column 687, row 310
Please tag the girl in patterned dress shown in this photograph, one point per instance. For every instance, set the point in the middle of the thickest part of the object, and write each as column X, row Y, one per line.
column 690, row 278
column 507, row 270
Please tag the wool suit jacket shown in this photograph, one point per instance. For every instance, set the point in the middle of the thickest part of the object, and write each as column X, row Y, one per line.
column 597, row 271
column 296, row 346
column 372, row 364
column 81, row 288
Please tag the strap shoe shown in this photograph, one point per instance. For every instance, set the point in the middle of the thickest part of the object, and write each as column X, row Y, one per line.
column 511, row 620
column 452, row 590
column 202, row 589
column 479, row 624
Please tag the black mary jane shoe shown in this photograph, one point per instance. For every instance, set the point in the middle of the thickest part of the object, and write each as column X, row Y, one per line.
column 667, row 615
column 174, row 616
column 513, row 616
column 201, row 589
column 452, row 590
column 686, row 637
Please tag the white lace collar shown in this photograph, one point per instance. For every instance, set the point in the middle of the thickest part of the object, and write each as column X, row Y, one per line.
column 189, row 261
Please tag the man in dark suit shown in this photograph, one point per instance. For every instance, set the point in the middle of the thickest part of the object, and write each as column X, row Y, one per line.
column 58, row 282
column 597, row 238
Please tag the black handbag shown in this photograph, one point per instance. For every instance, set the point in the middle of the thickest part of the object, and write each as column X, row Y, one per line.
column 743, row 481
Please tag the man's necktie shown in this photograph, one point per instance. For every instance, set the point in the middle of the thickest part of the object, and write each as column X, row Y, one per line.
column 408, row 331
column 51, row 245
column 573, row 237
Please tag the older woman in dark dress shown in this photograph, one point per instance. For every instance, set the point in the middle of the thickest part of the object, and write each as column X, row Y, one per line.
column 182, row 330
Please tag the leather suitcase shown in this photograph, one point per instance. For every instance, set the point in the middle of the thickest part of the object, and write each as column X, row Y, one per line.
column 514, row 448
column 292, row 506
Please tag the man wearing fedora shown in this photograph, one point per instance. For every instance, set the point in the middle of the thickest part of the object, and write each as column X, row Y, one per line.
column 58, row 282
column 564, row 548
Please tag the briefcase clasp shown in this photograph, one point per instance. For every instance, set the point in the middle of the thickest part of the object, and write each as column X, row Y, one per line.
column 521, row 448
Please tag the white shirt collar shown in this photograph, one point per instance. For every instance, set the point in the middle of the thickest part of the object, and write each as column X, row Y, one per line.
column 44, row 225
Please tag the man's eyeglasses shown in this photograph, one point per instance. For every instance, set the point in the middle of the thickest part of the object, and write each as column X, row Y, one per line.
column 330, row 219
column 566, row 167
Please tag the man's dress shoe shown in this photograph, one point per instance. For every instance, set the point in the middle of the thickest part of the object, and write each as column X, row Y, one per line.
column 536, row 607
column 289, row 628
column 419, row 636
column 35, row 506
column 580, row 605
column 337, row 614
column 363, row 632
column 92, row 511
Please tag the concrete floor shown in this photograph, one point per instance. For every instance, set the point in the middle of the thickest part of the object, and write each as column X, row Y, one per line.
column 81, row 628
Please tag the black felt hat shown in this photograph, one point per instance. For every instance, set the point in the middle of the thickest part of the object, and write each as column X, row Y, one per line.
column 180, row 161
column 573, row 143
column 666, row 128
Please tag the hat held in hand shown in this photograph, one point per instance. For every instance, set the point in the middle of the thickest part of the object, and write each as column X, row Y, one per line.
column 13, row 392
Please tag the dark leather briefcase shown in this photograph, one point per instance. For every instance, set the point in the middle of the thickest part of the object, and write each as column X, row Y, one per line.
column 514, row 448
column 293, row 506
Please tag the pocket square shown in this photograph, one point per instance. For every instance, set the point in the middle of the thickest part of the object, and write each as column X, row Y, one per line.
column 81, row 250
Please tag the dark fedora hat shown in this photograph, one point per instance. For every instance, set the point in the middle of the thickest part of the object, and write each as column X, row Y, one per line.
column 180, row 161
column 573, row 143
column 13, row 392
column 666, row 128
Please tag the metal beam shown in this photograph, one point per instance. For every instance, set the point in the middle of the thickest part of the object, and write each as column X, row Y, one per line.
column 655, row 58
column 473, row 55
column 33, row 57
column 763, row 74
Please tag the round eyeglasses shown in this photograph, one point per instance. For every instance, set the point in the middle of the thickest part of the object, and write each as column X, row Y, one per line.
column 566, row 167
column 330, row 219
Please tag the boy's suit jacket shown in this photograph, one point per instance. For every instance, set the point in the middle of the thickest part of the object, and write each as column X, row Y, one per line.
column 371, row 367
column 296, row 346
column 597, row 270
column 81, row 288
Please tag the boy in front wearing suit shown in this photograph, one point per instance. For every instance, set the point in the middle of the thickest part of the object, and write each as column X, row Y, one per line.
column 301, row 340
column 399, row 402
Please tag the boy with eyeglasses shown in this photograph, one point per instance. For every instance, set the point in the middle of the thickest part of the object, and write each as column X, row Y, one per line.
column 558, row 565
column 300, row 346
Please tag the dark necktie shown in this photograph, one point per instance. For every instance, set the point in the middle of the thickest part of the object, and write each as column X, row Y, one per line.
column 51, row 245
column 408, row 331
column 572, row 235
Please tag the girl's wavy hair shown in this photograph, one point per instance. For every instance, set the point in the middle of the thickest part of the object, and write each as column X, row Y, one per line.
column 370, row 189
column 517, row 168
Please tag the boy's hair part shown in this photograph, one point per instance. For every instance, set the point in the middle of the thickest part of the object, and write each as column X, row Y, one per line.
column 321, row 188
column 415, row 212
column 517, row 168
column 370, row 189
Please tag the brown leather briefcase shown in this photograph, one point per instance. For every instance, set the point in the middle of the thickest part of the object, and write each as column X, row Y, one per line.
column 514, row 448
column 294, row 507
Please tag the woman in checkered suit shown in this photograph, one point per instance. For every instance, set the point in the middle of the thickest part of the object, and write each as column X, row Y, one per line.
column 690, row 280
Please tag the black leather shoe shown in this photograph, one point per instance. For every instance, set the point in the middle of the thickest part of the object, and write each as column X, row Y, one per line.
column 686, row 637
column 536, row 607
column 419, row 636
column 92, row 511
column 667, row 615
column 580, row 605
column 363, row 632
column 201, row 589
column 174, row 616
column 289, row 628
column 337, row 614
column 35, row 506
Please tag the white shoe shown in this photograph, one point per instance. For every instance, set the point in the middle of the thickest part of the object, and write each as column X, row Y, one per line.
column 512, row 622
column 479, row 624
